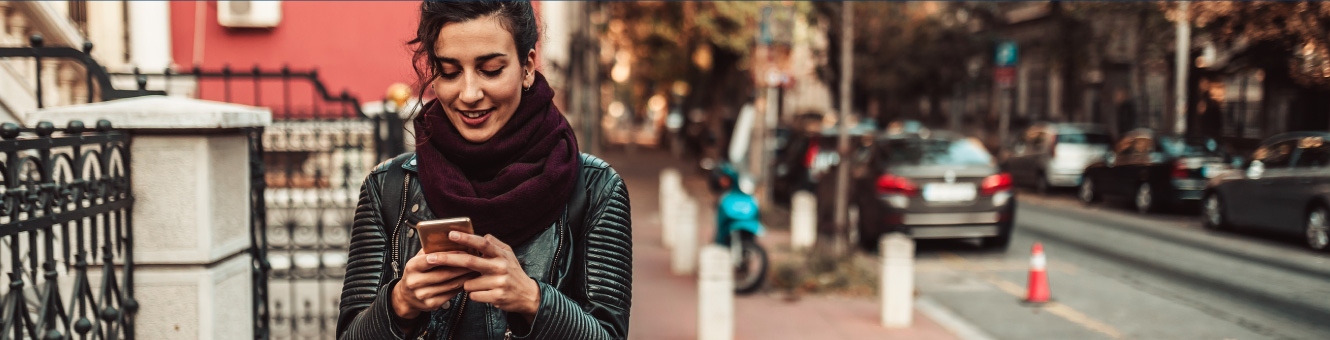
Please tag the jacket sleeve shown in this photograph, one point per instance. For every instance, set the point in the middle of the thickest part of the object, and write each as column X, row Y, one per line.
column 366, row 307
column 609, row 270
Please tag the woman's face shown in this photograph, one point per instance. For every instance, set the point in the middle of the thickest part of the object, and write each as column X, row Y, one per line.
column 480, row 77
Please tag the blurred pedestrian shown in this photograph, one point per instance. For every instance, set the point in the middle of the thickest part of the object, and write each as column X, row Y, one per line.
column 552, row 227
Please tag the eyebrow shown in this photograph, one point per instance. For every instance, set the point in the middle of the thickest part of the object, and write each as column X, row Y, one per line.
column 479, row 59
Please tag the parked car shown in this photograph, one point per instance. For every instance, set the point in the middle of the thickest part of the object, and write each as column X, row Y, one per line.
column 1048, row 155
column 1155, row 170
column 1284, row 188
column 806, row 158
column 932, row 185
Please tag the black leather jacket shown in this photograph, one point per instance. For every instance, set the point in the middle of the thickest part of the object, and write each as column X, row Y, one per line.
column 584, row 270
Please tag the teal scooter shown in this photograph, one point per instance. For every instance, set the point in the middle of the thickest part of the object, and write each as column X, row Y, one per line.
column 737, row 227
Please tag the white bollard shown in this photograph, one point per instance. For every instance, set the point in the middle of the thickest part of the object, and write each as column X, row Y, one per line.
column 897, row 281
column 671, row 190
column 803, row 220
column 715, row 294
column 683, row 256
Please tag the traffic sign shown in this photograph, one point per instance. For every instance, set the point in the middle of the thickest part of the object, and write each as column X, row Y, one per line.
column 1004, row 76
column 1006, row 54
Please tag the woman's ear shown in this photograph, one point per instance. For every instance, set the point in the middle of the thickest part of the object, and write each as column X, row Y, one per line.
column 529, row 72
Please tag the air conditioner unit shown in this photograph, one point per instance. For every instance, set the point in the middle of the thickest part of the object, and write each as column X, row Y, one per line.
column 261, row 14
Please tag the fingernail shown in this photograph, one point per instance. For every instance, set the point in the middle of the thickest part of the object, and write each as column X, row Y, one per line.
column 431, row 258
column 454, row 235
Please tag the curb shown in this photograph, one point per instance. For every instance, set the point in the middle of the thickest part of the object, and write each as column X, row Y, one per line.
column 949, row 320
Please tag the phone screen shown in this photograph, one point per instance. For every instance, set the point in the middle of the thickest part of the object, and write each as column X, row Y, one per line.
column 434, row 234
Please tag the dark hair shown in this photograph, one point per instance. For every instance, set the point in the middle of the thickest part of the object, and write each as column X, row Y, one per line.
column 515, row 16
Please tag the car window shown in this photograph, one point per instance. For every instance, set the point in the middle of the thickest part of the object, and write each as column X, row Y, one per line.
column 1278, row 155
column 1083, row 138
column 1313, row 152
column 907, row 152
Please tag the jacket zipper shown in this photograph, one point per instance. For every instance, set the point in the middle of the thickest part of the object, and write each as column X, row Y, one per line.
column 397, row 227
column 458, row 319
column 557, row 251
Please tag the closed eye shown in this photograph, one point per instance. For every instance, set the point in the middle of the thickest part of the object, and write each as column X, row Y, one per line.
column 494, row 73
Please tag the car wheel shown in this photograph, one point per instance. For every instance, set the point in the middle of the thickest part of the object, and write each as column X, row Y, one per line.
column 1145, row 198
column 1212, row 213
column 1086, row 192
column 1000, row 241
column 1318, row 233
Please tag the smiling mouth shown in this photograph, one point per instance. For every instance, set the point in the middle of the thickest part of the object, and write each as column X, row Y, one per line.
column 475, row 118
column 475, row 114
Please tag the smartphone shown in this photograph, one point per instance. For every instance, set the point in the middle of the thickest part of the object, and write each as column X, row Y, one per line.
column 434, row 234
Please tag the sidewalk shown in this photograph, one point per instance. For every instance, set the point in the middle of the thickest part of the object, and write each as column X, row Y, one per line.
column 665, row 305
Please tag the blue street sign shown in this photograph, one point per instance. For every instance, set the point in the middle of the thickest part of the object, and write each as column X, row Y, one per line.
column 1006, row 54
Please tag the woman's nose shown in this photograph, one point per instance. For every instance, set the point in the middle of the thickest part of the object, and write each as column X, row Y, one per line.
column 471, row 92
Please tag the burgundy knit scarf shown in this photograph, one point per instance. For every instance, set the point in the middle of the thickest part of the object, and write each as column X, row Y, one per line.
column 515, row 184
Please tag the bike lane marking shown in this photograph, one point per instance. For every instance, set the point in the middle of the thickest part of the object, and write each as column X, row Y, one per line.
column 1014, row 289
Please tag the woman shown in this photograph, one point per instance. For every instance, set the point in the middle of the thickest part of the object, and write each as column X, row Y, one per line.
column 552, row 226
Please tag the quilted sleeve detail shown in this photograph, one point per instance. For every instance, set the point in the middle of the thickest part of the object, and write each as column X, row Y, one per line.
column 609, row 268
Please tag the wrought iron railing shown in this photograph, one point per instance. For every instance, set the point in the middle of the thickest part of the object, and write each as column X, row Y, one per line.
column 307, row 169
column 65, row 233
column 98, row 78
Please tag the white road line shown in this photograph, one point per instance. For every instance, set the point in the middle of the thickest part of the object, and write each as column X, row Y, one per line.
column 949, row 320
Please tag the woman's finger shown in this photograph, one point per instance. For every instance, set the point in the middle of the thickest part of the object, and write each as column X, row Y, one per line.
column 484, row 283
column 421, row 263
column 476, row 242
column 472, row 262
column 446, row 287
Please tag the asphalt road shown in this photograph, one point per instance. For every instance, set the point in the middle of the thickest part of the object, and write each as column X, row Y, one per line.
column 1115, row 274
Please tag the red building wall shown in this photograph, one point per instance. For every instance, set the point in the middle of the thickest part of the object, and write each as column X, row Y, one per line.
column 359, row 46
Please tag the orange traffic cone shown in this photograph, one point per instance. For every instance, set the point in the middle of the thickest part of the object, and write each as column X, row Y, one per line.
column 1038, row 284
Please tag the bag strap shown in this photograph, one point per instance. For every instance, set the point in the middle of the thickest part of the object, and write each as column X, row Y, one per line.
column 577, row 205
column 392, row 190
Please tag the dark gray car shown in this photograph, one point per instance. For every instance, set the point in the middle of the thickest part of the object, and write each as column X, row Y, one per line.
column 938, row 185
column 1285, row 189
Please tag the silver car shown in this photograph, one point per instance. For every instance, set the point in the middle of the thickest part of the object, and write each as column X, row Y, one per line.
column 1285, row 189
column 1055, row 154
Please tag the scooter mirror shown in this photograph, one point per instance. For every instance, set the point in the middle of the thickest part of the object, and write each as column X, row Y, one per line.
column 746, row 185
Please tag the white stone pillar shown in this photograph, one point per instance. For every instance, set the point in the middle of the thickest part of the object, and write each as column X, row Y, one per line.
column 66, row 80
column 683, row 256
column 671, row 192
column 189, row 164
column 897, row 282
column 150, row 34
column 803, row 220
column 51, row 82
column 106, row 31
column 715, row 295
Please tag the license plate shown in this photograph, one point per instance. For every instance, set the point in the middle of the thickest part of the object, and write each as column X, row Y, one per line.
column 949, row 192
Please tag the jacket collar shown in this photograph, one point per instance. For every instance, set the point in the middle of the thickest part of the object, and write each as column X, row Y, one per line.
column 410, row 164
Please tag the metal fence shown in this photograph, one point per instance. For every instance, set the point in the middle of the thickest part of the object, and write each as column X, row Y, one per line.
column 66, row 240
column 307, row 169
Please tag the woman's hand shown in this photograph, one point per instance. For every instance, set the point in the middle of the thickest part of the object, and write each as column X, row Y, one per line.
column 502, row 282
column 426, row 284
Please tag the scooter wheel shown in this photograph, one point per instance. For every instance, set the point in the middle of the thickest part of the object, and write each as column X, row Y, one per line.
column 751, row 269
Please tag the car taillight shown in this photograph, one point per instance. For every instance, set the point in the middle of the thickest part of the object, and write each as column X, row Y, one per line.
column 811, row 154
column 1180, row 170
column 995, row 183
column 893, row 185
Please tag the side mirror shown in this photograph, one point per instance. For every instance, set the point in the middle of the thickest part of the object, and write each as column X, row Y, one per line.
column 1255, row 169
